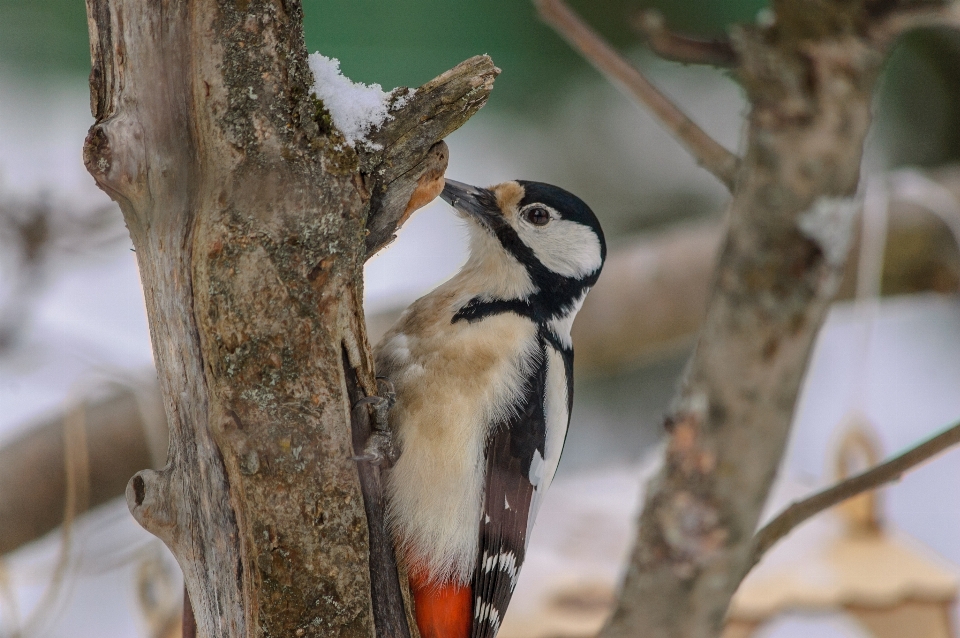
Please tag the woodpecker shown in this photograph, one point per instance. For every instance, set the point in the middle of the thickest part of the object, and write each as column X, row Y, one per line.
column 482, row 370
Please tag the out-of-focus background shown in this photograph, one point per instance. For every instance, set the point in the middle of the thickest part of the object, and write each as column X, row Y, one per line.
column 75, row 352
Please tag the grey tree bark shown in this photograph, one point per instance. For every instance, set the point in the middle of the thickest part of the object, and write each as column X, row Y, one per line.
column 250, row 217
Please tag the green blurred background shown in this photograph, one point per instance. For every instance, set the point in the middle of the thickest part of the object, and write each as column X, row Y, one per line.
column 393, row 43
column 407, row 43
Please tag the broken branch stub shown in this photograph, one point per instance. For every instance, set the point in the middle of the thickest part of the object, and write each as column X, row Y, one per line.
column 248, row 214
column 409, row 160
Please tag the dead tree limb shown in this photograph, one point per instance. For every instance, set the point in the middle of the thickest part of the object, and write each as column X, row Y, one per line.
column 878, row 476
column 707, row 151
column 809, row 78
column 401, row 174
column 249, row 212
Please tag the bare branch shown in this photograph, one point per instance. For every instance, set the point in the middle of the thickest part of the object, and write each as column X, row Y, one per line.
column 894, row 19
column 707, row 151
column 886, row 472
column 680, row 48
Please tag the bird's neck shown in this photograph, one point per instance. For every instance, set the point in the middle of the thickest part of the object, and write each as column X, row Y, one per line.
column 552, row 307
column 492, row 274
column 493, row 282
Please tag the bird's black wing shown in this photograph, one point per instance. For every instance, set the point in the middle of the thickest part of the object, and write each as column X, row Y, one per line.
column 511, row 449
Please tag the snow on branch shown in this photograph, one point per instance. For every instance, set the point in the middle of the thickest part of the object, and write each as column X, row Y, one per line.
column 355, row 108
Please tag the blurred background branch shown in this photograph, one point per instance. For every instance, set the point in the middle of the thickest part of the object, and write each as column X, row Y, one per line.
column 123, row 433
column 676, row 47
column 871, row 479
column 38, row 234
column 708, row 153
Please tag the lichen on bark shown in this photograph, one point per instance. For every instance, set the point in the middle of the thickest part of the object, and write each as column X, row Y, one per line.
column 249, row 215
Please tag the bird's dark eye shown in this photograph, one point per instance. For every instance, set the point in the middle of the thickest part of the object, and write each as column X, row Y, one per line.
column 537, row 216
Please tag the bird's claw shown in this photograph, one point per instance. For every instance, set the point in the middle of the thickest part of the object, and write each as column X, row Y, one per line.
column 381, row 402
column 379, row 448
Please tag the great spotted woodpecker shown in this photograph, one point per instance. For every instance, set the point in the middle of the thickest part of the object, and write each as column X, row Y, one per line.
column 482, row 369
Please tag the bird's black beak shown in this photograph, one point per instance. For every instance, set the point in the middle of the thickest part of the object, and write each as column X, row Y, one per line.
column 479, row 204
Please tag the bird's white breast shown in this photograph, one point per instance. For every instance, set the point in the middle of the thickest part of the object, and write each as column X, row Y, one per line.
column 452, row 381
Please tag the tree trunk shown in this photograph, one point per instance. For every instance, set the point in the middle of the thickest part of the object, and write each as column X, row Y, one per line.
column 809, row 78
column 249, row 215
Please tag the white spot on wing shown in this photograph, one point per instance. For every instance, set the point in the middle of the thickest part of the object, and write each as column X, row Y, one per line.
column 536, row 469
column 557, row 418
column 505, row 561
column 487, row 612
column 506, row 503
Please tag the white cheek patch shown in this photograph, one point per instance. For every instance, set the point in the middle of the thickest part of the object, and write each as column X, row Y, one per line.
column 565, row 247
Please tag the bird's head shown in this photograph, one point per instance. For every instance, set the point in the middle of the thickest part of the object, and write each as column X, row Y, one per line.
column 548, row 231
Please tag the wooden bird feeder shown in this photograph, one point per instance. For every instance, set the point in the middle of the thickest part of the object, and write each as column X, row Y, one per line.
column 856, row 566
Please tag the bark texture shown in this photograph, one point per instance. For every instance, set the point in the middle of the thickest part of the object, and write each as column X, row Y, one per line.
column 249, row 215
column 809, row 78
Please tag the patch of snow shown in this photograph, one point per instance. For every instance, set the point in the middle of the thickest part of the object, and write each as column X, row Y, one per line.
column 356, row 108
column 830, row 223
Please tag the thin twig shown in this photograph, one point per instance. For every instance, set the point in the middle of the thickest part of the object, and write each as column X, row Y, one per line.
column 681, row 48
column 707, row 151
column 873, row 478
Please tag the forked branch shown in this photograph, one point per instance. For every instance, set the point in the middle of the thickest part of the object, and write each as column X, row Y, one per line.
column 681, row 48
column 707, row 151
column 871, row 479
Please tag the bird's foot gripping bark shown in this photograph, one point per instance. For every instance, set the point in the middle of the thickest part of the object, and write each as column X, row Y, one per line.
column 380, row 448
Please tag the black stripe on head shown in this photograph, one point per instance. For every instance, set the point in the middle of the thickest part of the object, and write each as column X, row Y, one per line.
column 556, row 294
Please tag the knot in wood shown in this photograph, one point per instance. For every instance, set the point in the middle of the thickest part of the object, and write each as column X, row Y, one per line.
column 690, row 526
column 97, row 154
